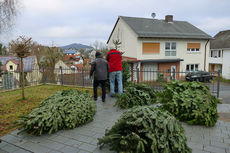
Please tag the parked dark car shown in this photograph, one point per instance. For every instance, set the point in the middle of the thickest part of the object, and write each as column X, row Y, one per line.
column 201, row 76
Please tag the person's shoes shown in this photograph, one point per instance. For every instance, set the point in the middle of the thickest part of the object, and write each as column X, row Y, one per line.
column 95, row 99
column 112, row 95
column 103, row 100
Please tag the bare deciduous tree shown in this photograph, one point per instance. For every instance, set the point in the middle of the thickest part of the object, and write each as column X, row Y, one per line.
column 8, row 12
column 21, row 46
column 96, row 45
column 50, row 57
column 101, row 47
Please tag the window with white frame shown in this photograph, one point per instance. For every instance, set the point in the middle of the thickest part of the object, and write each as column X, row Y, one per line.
column 216, row 53
column 192, row 67
column 170, row 49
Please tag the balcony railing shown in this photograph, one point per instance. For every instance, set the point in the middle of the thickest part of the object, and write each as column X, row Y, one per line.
column 218, row 60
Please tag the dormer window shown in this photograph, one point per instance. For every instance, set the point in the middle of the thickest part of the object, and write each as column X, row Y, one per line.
column 11, row 67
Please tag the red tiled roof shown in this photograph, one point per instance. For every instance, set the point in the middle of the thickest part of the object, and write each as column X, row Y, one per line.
column 79, row 66
column 68, row 57
column 15, row 61
column 131, row 59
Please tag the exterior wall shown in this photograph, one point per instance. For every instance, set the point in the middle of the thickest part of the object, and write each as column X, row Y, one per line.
column 226, row 64
column 165, row 67
column 8, row 66
column 182, row 53
column 35, row 76
column 65, row 68
column 16, row 75
column 127, row 37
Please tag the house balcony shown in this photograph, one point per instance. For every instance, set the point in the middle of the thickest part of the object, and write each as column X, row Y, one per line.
column 213, row 60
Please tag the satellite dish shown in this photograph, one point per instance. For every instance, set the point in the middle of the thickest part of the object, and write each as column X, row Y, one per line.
column 153, row 15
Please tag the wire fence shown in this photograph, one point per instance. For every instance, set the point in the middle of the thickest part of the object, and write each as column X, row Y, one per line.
column 60, row 76
column 156, row 79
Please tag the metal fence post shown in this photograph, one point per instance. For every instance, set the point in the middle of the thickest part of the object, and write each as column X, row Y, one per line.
column 83, row 80
column 137, row 75
column 61, row 76
column 218, row 85
column 44, row 76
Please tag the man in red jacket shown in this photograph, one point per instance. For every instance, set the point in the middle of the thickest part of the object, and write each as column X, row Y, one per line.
column 115, row 70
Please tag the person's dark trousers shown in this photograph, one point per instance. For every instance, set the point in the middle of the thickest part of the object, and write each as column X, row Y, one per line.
column 103, row 87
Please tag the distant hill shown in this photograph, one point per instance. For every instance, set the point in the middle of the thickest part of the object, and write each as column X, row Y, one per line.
column 76, row 46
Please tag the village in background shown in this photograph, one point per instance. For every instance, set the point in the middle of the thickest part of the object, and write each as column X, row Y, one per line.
column 71, row 58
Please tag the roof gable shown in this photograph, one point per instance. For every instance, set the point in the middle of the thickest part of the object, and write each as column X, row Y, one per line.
column 15, row 61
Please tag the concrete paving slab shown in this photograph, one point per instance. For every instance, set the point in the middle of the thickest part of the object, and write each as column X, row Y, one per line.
column 83, row 139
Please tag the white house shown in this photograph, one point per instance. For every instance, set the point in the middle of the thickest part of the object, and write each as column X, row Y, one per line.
column 161, row 45
column 219, row 58
column 65, row 69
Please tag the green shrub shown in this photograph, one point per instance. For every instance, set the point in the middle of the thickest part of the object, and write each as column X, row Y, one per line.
column 191, row 102
column 64, row 110
column 136, row 95
column 126, row 74
column 146, row 130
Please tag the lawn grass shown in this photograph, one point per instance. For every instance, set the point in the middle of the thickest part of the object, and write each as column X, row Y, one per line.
column 12, row 106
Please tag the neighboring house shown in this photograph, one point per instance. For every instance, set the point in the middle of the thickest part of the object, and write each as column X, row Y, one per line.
column 79, row 60
column 220, row 53
column 65, row 68
column 161, row 45
column 31, row 68
column 73, row 59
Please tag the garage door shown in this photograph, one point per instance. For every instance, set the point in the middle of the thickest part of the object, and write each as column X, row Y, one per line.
column 150, row 72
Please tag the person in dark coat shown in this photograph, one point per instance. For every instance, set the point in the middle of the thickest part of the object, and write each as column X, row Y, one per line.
column 99, row 68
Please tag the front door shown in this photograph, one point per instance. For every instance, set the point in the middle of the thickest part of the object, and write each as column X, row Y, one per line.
column 212, row 68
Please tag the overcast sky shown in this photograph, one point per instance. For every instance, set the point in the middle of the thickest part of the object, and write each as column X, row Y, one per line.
column 61, row 22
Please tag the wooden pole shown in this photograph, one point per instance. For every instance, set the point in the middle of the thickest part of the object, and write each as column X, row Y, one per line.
column 23, row 83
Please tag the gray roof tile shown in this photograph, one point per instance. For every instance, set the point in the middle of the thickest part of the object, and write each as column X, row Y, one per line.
column 154, row 28
column 221, row 41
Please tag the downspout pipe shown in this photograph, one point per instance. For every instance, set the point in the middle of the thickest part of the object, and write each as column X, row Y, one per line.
column 205, row 58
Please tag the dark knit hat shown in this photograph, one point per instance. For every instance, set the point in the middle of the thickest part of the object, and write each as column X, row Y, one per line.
column 98, row 54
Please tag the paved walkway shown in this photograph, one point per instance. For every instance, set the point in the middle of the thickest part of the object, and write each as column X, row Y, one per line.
column 84, row 139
